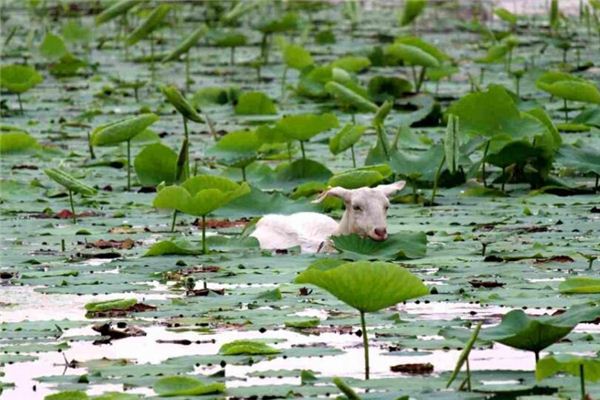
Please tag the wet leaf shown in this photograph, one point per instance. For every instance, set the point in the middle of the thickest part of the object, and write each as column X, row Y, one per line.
column 172, row 386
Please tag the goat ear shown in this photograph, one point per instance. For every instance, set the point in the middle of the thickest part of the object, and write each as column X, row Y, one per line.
column 392, row 188
column 337, row 191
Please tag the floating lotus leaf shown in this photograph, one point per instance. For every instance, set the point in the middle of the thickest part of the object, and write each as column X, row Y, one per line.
column 365, row 286
column 352, row 63
column 16, row 141
column 236, row 149
column 247, row 347
column 117, row 304
column 173, row 386
column 200, row 195
column 19, row 78
column 255, row 103
column 584, row 160
column 580, row 284
column 122, row 130
column 398, row 246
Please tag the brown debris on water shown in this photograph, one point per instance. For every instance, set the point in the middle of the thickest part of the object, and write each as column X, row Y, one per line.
column 413, row 369
column 123, row 312
column 115, row 332
column 125, row 244
column 476, row 283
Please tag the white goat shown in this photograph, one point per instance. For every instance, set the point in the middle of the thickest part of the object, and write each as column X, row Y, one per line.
column 365, row 215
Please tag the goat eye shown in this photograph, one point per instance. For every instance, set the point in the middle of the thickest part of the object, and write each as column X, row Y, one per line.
column 357, row 208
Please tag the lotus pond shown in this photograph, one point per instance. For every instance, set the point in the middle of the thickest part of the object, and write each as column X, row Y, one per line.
column 142, row 140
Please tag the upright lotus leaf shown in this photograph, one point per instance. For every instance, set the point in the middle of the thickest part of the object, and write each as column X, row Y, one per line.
column 149, row 25
column 199, row 196
column 115, row 10
column 255, row 103
column 296, row 57
column 174, row 96
column 412, row 9
column 175, row 386
column 427, row 47
column 15, row 141
column 156, row 163
column 365, row 286
column 570, row 364
column 349, row 98
column 53, row 47
column 521, row 331
column 585, row 160
column 227, row 38
column 506, row 15
column 247, row 347
column 354, row 64
column 411, row 55
column 122, row 131
column 417, row 166
column 345, row 139
column 72, row 185
column 186, row 44
column 312, row 82
column 19, row 79
column 580, row 284
column 569, row 87
column 302, row 127
column 356, row 178
column 382, row 88
column 236, row 149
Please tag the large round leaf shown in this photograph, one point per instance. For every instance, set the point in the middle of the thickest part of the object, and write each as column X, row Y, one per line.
column 255, row 103
column 19, row 78
column 156, row 163
column 356, row 178
column 382, row 88
column 236, row 149
column 423, row 45
column 175, row 97
column 122, row 130
column 200, row 195
column 296, row 57
column 16, row 141
column 571, row 364
column 171, row 386
column 585, row 92
column 583, row 160
column 365, row 286
column 398, row 246
column 305, row 126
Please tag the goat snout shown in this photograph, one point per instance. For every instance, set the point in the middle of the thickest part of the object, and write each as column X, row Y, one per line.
column 379, row 234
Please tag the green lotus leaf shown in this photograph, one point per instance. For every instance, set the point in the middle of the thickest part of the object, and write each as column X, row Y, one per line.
column 411, row 55
column 585, row 92
column 200, row 195
column 115, row 10
column 302, row 323
column 515, row 152
column 186, row 44
column 570, row 364
column 117, row 304
column 312, row 81
column 423, row 45
column 172, row 386
column 296, row 57
column 346, row 138
column 356, row 178
column 506, row 15
column 305, row 126
column 226, row 38
column 590, row 117
column 548, row 78
column 247, row 347
column 521, row 331
column 583, row 160
column 255, row 103
column 180, row 103
column 16, row 141
column 580, row 284
column 150, row 24
column 495, row 53
column 236, row 149
column 69, row 182
column 19, row 78
column 382, row 88
column 412, row 9
column 421, row 166
column 353, row 64
column 68, row 395
column 117, row 396
column 398, row 246
column 53, row 47
column 122, row 130
column 365, row 286
column 285, row 23
column 156, row 163
column 349, row 98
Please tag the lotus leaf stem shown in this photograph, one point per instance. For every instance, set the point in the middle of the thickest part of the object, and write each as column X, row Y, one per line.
column 90, row 146
column 468, row 374
column 188, row 80
column 20, row 103
column 187, row 148
column 244, row 174
column 582, row 381
column 437, row 179
column 152, row 56
column 353, row 156
column 62, row 248
column 283, row 77
column 363, row 326
column 204, row 234
column 485, row 151
column 566, row 110
column 173, row 219
column 421, row 79
column 72, row 207
column 129, row 165
column 302, row 149
column 232, row 56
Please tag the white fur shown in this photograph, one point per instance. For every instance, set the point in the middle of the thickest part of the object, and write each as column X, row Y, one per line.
column 365, row 215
